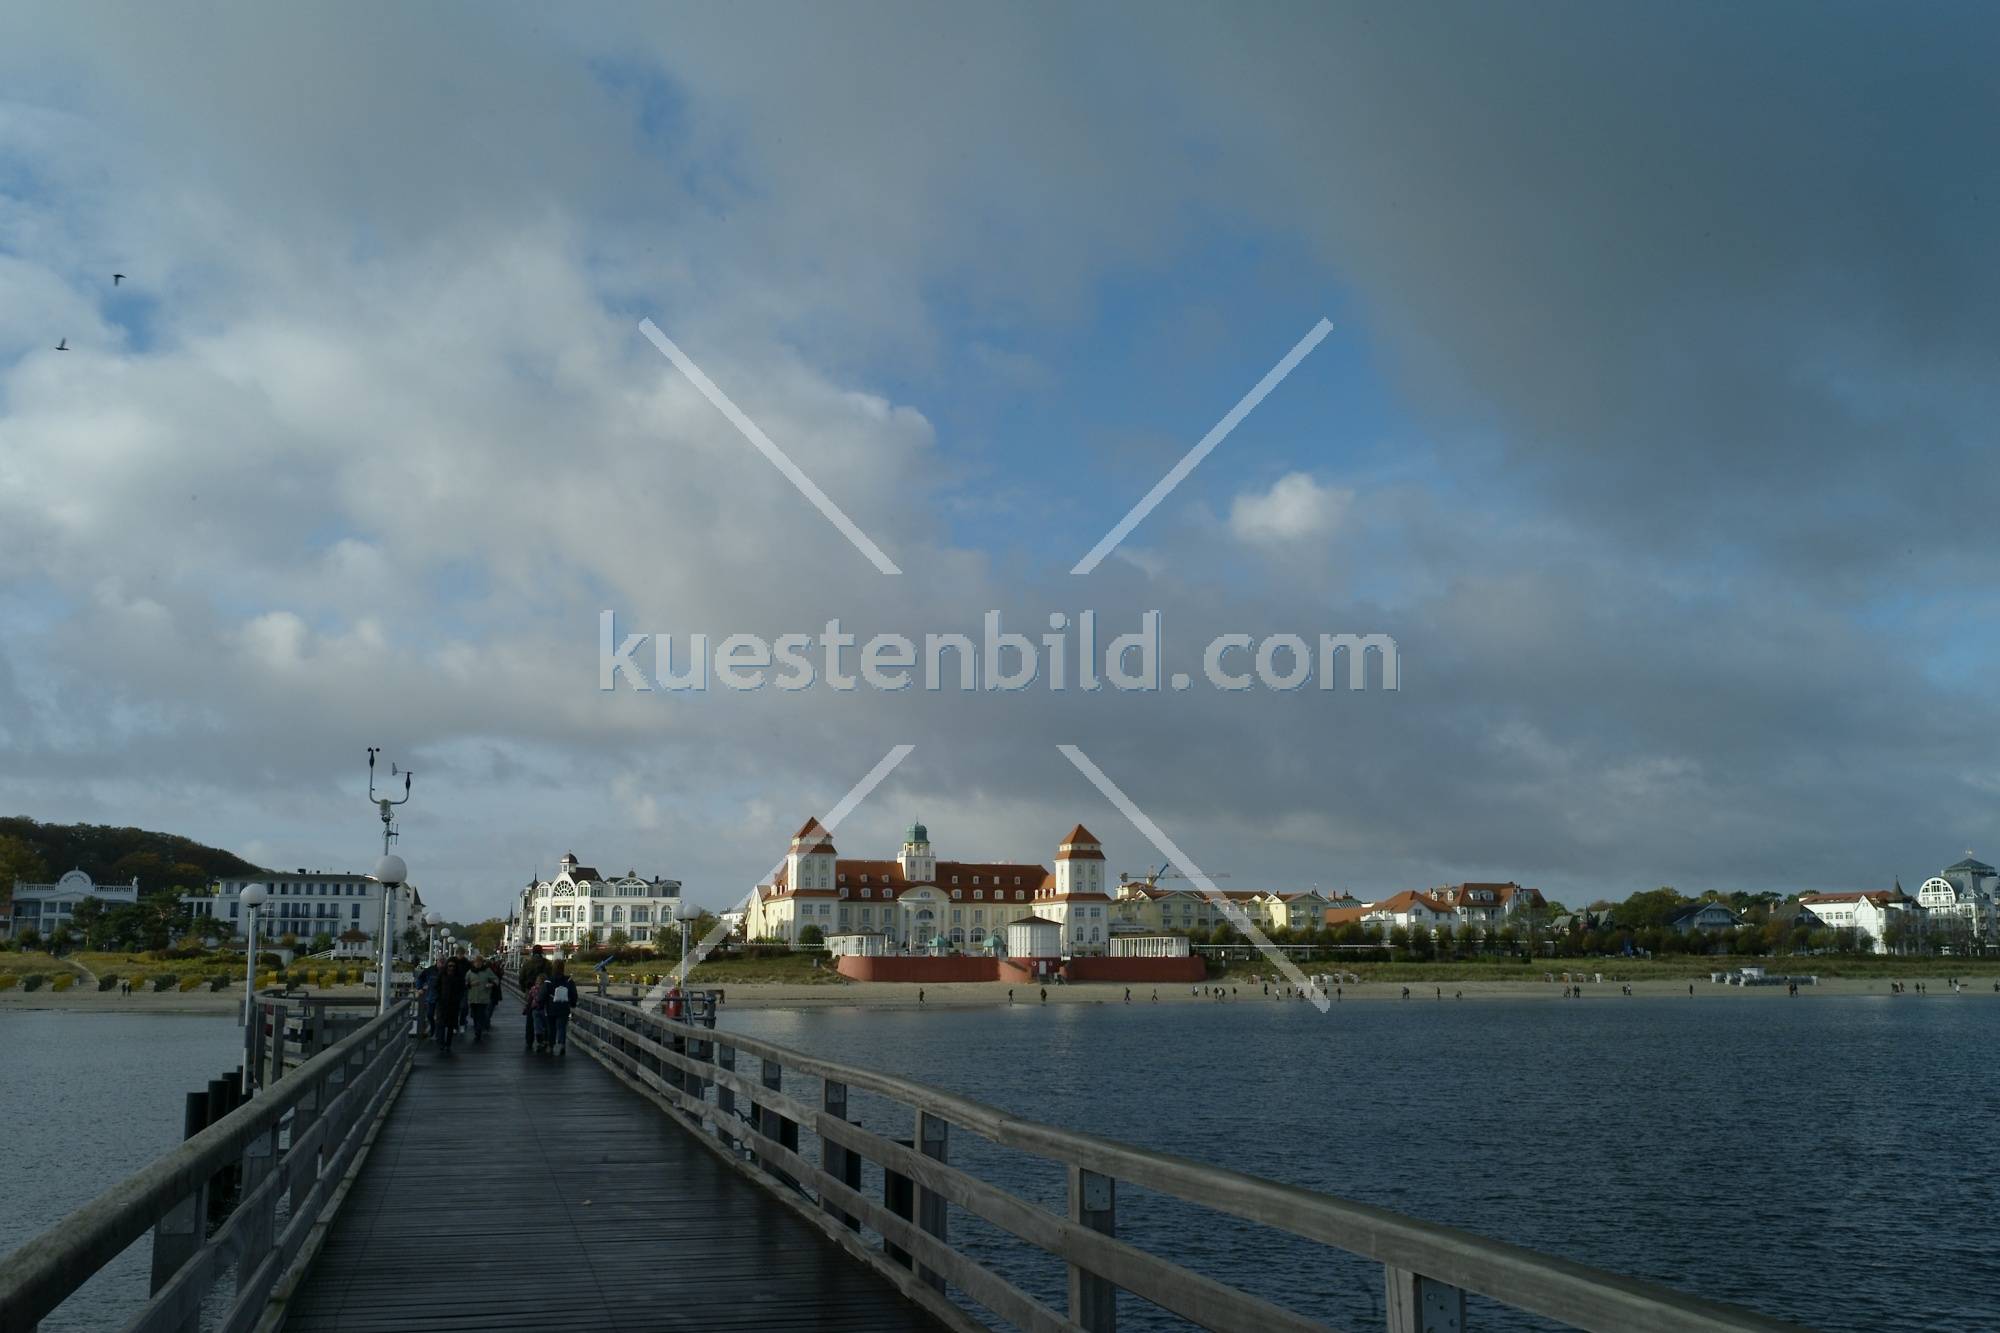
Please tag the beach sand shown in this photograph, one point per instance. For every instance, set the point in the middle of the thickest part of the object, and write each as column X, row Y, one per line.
column 964, row 995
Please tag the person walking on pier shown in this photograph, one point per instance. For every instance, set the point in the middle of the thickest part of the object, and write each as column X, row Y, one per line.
column 533, row 969
column 448, row 991
column 562, row 996
column 480, row 985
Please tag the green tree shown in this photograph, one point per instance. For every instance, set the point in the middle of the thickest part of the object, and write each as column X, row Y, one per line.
column 615, row 941
column 321, row 942
column 62, row 939
column 811, row 935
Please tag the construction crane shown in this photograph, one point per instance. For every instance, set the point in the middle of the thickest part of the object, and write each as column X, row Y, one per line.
column 1166, row 871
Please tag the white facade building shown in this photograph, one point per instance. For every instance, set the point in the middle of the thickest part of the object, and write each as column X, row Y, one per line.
column 1149, row 946
column 43, row 907
column 1964, row 903
column 579, row 908
column 307, row 902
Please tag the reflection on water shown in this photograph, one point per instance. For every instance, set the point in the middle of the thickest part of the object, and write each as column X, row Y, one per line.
column 86, row 1100
column 1825, row 1159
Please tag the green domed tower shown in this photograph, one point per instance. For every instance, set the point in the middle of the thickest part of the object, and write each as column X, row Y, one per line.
column 918, row 864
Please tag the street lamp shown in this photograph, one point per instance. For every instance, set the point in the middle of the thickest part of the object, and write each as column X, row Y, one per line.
column 433, row 921
column 252, row 898
column 684, row 912
column 390, row 873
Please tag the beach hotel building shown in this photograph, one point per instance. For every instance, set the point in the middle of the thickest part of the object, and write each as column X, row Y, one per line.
column 916, row 918
column 578, row 907
column 43, row 907
column 917, row 903
column 307, row 902
column 1145, row 906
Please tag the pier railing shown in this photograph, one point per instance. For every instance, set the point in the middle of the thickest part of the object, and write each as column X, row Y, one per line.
column 289, row 1150
column 742, row 1096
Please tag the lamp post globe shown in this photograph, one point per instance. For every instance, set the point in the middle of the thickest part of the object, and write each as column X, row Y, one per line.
column 390, row 869
column 252, row 897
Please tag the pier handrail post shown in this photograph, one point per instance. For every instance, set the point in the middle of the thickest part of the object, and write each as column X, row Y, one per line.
column 1417, row 1304
column 725, row 1096
column 1093, row 1202
column 933, row 1139
column 279, row 1012
column 180, row 1232
column 260, row 1159
column 835, row 1160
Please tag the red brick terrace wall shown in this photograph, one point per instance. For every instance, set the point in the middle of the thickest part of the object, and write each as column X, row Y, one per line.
column 918, row 969
column 1135, row 971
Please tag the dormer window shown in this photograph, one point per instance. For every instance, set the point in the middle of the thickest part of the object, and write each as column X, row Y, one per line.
column 843, row 877
column 864, row 879
column 957, row 893
column 1019, row 895
column 975, row 879
column 978, row 895
column 1017, row 879
column 865, row 892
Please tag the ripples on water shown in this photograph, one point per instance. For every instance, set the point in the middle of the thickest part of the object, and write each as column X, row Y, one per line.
column 1825, row 1159
column 87, row 1099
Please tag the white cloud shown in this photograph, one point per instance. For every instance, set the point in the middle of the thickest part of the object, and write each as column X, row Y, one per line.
column 1295, row 509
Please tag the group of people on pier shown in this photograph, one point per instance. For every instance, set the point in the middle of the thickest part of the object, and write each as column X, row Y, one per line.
column 456, row 991
column 549, row 995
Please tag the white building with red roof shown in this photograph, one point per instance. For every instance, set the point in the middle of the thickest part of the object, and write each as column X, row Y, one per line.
column 918, row 902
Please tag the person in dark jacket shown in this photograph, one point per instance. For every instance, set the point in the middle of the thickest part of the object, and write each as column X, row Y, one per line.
column 562, row 998
column 450, row 987
column 533, row 969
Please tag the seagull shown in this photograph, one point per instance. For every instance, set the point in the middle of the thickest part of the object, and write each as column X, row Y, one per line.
column 117, row 278
column 63, row 345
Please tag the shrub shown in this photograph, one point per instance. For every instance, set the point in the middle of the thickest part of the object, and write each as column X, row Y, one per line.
column 108, row 982
column 267, row 959
column 33, row 981
column 188, row 983
column 64, row 982
column 165, row 980
column 9, row 980
column 219, row 982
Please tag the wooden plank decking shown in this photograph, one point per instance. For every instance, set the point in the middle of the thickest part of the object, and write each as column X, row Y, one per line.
column 511, row 1191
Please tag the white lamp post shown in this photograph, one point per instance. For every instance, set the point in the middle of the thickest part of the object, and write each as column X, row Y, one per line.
column 431, row 923
column 252, row 898
column 390, row 873
column 684, row 911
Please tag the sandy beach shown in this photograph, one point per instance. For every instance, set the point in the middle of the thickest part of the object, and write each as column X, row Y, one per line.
column 882, row 995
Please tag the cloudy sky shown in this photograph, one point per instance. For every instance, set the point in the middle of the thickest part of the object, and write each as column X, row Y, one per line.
column 1653, row 425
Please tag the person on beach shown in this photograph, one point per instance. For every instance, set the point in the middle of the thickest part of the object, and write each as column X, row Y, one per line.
column 1010, row 995
column 1045, row 995
column 1128, row 995
column 920, row 995
column 1406, row 992
column 1690, row 990
column 1156, row 992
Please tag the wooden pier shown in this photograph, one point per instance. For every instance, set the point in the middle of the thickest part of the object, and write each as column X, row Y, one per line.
column 668, row 1175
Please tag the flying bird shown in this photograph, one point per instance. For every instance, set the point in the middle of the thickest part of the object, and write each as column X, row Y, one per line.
column 63, row 345
column 117, row 278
